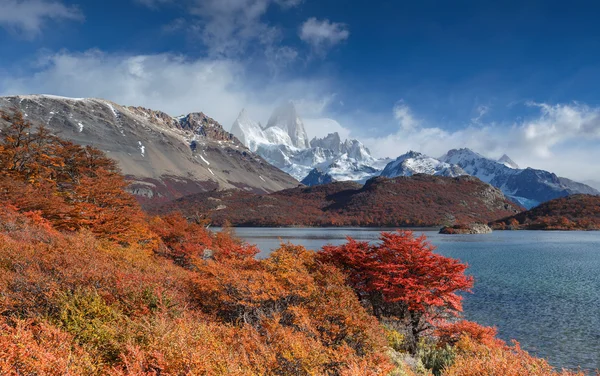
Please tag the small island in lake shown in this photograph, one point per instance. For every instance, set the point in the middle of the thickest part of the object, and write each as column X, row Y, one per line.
column 470, row 229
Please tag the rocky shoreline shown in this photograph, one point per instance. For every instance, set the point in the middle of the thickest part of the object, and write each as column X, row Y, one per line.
column 470, row 229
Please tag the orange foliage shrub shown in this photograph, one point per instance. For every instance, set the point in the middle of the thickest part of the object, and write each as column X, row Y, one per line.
column 185, row 240
column 451, row 333
column 73, row 187
column 30, row 349
column 292, row 297
column 477, row 359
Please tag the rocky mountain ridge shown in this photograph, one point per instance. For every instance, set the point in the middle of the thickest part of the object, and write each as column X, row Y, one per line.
column 416, row 163
column 331, row 159
column 164, row 157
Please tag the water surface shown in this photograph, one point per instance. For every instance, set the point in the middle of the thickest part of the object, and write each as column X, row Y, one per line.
column 540, row 288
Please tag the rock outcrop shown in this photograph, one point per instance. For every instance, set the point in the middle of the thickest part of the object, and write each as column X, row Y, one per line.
column 473, row 228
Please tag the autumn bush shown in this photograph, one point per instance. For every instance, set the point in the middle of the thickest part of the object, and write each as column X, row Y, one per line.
column 475, row 358
column 292, row 295
column 71, row 186
column 402, row 278
column 29, row 348
column 449, row 333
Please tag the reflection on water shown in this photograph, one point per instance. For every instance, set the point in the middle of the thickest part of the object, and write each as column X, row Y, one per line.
column 541, row 288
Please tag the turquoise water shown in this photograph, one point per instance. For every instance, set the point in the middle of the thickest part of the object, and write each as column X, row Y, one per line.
column 540, row 288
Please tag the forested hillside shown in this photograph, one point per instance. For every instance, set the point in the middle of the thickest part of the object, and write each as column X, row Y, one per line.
column 576, row 212
column 419, row 200
column 91, row 285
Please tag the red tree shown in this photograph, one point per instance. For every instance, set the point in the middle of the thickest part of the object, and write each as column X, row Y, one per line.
column 402, row 279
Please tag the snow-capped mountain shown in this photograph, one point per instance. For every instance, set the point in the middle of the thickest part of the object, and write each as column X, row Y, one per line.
column 529, row 187
column 416, row 163
column 284, row 144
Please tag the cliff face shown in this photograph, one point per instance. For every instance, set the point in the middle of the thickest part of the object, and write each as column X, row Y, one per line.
column 164, row 157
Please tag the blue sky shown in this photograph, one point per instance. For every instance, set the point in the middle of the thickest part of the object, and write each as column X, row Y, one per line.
column 519, row 77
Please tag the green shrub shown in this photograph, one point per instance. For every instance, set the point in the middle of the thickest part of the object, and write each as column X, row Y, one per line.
column 436, row 358
column 93, row 323
column 395, row 339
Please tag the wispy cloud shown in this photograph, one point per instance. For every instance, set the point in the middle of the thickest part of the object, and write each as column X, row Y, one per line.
column 228, row 28
column 154, row 4
column 323, row 34
column 28, row 17
column 404, row 115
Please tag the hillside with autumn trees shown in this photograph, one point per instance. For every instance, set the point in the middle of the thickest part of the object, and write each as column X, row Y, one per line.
column 91, row 285
column 576, row 212
column 419, row 200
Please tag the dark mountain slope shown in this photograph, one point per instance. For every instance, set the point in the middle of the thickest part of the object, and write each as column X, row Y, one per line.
column 419, row 200
column 576, row 212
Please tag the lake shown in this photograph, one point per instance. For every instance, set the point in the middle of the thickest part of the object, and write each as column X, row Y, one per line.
column 540, row 288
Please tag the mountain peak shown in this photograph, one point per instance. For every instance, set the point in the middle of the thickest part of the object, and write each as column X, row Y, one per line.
column 505, row 160
column 286, row 117
column 414, row 162
column 411, row 154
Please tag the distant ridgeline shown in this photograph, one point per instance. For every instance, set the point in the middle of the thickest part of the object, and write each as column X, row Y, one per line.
column 576, row 212
column 419, row 200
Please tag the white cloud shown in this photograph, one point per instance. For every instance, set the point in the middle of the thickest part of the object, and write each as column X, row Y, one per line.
column 560, row 123
column 557, row 139
column 321, row 127
column 170, row 83
column 313, row 107
column 480, row 112
column 404, row 115
column 27, row 17
column 227, row 28
column 322, row 35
